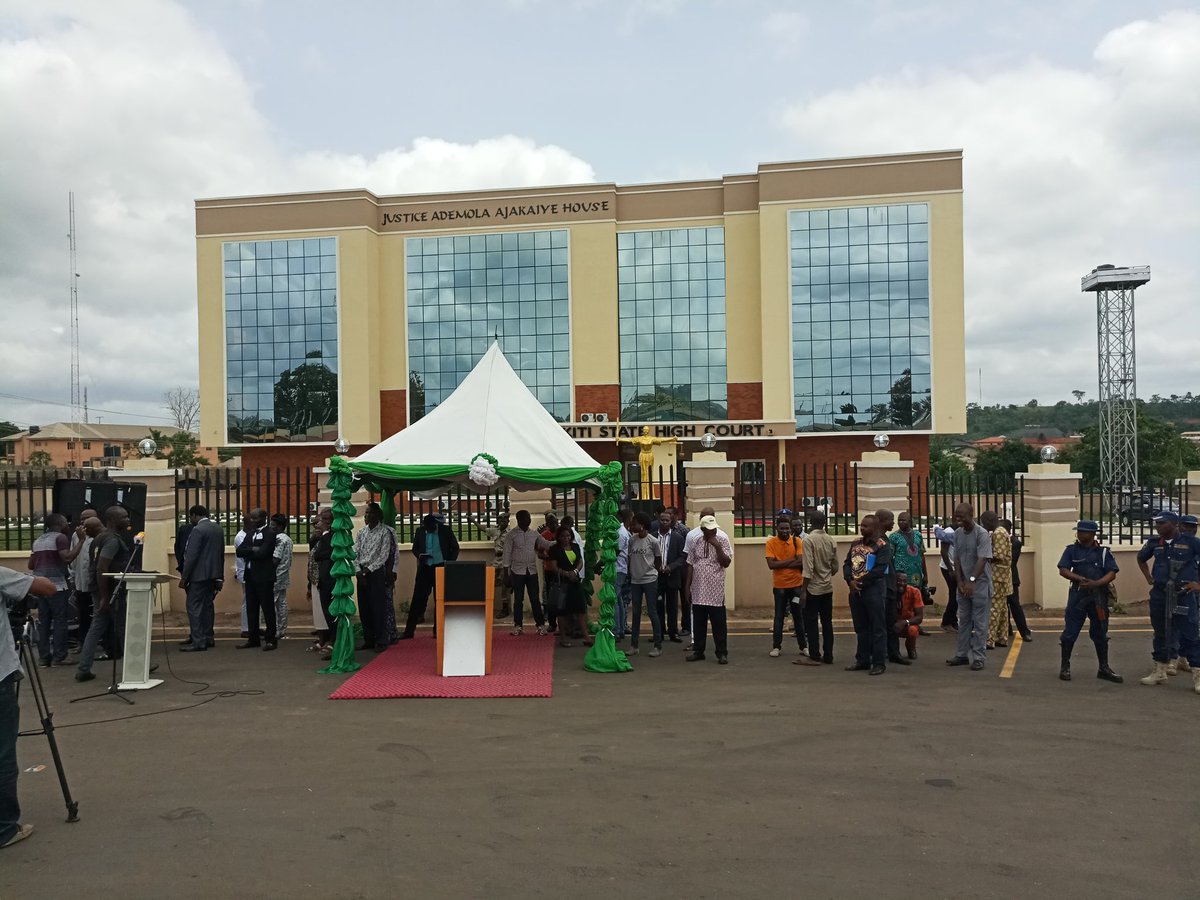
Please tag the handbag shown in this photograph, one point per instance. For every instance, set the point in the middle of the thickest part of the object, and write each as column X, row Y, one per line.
column 556, row 597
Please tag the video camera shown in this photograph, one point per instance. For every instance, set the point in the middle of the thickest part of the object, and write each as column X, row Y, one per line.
column 18, row 614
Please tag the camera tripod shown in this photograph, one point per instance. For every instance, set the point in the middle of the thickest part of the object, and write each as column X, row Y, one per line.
column 27, row 644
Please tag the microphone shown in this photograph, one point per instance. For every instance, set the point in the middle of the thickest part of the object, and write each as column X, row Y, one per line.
column 139, row 539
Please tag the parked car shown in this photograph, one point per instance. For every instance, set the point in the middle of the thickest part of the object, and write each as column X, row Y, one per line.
column 1144, row 506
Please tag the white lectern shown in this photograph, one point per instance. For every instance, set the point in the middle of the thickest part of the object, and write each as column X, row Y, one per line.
column 465, row 593
column 139, row 621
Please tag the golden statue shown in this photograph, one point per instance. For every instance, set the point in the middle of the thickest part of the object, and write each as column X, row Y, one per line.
column 646, row 444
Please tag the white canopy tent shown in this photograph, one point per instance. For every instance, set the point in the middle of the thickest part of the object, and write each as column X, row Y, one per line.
column 491, row 419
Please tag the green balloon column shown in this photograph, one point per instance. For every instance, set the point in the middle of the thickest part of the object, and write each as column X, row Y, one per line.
column 342, row 607
column 602, row 519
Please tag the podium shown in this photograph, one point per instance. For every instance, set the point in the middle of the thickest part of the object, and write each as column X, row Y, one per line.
column 139, row 621
column 465, row 594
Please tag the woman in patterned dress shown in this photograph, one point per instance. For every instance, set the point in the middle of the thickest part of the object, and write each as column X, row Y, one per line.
column 1001, row 579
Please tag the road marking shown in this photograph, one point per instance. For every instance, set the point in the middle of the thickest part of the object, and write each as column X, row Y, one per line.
column 1010, row 662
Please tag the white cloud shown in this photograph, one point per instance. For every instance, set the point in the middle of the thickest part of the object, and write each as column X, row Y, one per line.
column 787, row 29
column 139, row 111
column 1064, row 169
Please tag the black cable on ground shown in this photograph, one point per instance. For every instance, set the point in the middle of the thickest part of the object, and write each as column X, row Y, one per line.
column 201, row 691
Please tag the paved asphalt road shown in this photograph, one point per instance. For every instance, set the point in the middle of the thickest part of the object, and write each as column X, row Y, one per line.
column 759, row 779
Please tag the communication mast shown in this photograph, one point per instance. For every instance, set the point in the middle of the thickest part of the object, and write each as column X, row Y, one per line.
column 78, row 413
column 1114, row 287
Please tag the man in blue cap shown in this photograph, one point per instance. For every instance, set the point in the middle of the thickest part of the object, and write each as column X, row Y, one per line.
column 1175, row 665
column 1090, row 568
column 1174, row 589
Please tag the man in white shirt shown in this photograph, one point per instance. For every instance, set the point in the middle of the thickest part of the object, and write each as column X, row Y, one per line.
column 239, row 574
column 521, row 558
column 14, row 586
column 284, row 547
column 621, row 606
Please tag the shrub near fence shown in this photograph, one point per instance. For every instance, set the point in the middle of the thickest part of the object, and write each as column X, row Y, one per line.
column 27, row 497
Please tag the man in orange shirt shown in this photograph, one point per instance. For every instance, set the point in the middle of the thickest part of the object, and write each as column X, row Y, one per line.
column 912, row 612
column 785, row 559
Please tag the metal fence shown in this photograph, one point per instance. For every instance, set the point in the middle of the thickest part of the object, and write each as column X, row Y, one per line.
column 933, row 499
column 228, row 494
column 760, row 493
column 1127, row 516
column 28, row 494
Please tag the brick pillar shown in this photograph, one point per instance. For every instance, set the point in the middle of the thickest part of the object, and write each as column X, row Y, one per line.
column 710, row 483
column 1191, row 486
column 882, row 482
column 1051, row 511
column 160, row 517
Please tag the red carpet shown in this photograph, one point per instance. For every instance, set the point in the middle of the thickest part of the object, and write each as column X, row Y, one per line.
column 521, row 667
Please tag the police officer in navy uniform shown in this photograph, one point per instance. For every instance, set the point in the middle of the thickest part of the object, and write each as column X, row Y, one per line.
column 1176, row 664
column 1174, row 593
column 1090, row 568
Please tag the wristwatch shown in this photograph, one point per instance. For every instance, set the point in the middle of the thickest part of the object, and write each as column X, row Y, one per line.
column 971, row 579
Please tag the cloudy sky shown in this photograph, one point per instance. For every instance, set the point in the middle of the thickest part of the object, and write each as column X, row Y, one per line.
column 1079, row 119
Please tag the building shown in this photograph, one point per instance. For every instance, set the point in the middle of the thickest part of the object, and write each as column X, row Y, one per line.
column 69, row 446
column 792, row 312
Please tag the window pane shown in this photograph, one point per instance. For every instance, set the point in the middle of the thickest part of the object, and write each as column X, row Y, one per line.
column 280, row 390
column 672, row 338
column 877, row 254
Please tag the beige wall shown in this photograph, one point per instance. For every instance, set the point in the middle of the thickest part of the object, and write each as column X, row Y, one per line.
column 593, row 273
column 743, row 307
column 946, row 304
column 752, row 208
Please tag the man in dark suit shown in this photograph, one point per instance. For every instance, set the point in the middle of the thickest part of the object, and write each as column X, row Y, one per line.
column 258, row 550
column 672, row 538
column 433, row 545
column 202, row 573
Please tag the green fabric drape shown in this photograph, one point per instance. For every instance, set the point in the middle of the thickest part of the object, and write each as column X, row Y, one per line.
column 342, row 607
column 604, row 655
column 420, row 478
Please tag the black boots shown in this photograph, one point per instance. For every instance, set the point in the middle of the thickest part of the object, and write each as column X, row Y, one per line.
column 1064, row 672
column 1104, row 671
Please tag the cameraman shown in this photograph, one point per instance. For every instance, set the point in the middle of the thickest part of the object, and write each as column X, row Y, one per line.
column 14, row 588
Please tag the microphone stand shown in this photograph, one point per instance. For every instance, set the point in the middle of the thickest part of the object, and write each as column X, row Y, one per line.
column 113, row 689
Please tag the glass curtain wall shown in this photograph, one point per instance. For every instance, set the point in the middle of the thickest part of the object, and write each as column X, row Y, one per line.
column 860, row 317
column 671, row 308
column 281, row 341
column 466, row 291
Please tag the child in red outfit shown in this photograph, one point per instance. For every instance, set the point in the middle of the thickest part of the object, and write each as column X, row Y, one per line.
column 912, row 611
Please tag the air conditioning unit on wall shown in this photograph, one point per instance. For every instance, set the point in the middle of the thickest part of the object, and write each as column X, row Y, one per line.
column 587, row 417
column 600, row 417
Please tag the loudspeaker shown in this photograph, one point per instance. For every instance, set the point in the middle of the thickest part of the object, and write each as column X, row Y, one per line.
column 132, row 496
column 71, row 496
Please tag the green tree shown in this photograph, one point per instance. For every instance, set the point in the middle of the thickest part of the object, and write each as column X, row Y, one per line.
column 416, row 395
column 946, row 467
column 179, row 449
column 7, row 428
column 40, row 459
column 1163, row 455
column 670, row 403
column 306, row 397
column 998, row 465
